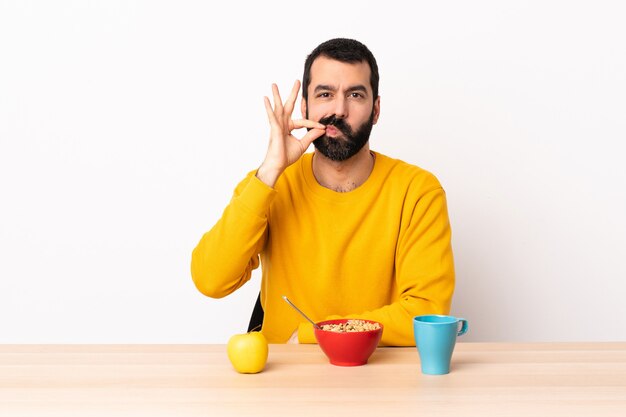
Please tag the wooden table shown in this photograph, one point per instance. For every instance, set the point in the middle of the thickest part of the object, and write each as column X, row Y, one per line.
column 552, row 379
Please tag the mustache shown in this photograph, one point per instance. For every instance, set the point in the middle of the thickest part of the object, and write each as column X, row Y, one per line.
column 338, row 123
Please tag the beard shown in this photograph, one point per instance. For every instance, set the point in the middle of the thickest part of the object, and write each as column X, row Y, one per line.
column 342, row 148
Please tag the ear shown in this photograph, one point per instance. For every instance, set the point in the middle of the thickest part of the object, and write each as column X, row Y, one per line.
column 303, row 107
column 376, row 109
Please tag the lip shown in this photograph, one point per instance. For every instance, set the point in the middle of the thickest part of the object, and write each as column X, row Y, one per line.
column 331, row 130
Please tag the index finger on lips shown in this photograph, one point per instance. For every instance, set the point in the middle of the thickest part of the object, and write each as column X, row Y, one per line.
column 300, row 123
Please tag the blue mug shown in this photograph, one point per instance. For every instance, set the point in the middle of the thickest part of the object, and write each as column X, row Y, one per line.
column 435, row 337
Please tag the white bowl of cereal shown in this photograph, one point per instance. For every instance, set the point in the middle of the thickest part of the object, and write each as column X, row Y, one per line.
column 348, row 342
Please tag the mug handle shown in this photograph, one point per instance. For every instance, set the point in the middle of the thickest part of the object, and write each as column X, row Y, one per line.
column 463, row 327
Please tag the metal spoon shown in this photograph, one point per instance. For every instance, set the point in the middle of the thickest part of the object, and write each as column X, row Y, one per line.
column 299, row 311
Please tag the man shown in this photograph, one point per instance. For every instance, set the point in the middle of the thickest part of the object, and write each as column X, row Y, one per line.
column 343, row 231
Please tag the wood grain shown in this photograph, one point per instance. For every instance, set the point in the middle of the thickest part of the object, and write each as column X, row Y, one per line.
column 555, row 379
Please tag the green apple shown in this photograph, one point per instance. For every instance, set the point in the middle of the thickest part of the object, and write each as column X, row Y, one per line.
column 248, row 352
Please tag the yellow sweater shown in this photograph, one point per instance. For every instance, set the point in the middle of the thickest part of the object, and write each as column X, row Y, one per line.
column 380, row 252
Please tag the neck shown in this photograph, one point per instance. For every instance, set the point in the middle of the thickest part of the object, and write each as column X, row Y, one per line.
column 345, row 175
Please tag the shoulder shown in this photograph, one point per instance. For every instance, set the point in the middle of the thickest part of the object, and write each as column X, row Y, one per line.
column 412, row 178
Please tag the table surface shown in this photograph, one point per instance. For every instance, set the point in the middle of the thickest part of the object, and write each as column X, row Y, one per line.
column 555, row 379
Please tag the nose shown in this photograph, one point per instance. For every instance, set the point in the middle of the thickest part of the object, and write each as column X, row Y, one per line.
column 341, row 107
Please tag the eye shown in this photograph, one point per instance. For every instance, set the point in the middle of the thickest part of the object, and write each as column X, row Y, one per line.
column 356, row 95
column 324, row 95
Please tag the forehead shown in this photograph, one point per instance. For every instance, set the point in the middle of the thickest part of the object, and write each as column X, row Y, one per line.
column 339, row 74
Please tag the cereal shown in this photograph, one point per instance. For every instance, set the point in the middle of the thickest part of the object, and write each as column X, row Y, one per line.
column 351, row 326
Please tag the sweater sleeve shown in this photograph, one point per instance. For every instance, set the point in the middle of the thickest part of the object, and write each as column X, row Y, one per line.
column 424, row 274
column 226, row 255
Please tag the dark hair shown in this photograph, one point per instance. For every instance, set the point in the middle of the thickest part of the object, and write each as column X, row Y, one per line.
column 344, row 50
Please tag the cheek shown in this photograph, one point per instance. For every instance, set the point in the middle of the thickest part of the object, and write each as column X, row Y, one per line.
column 316, row 112
column 316, row 116
column 361, row 116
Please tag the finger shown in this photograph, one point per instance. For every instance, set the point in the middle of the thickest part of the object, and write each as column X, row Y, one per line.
column 291, row 101
column 311, row 136
column 299, row 124
column 270, row 112
column 278, row 103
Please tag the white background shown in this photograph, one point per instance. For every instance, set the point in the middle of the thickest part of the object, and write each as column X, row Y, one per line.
column 125, row 126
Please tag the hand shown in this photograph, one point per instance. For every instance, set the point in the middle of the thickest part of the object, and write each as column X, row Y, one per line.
column 284, row 149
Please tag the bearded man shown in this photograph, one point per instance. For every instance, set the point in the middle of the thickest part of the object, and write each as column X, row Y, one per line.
column 344, row 232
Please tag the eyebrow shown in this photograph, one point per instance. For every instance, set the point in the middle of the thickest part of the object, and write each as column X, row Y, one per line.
column 326, row 87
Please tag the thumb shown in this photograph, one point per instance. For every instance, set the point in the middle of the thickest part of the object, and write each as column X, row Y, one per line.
column 311, row 136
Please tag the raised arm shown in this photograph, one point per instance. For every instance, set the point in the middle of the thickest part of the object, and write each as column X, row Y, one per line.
column 225, row 257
